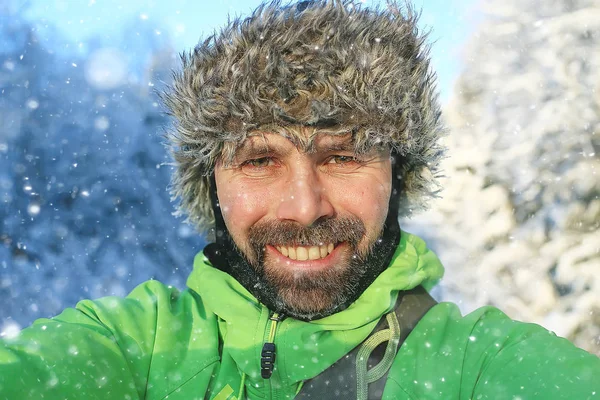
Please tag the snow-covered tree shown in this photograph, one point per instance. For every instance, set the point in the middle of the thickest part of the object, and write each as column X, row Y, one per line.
column 523, row 199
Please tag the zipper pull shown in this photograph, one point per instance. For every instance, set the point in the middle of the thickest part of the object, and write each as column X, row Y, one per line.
column 267, row 360
column 267, row 355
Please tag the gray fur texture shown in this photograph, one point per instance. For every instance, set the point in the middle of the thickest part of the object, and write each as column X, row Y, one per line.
column 334, row 65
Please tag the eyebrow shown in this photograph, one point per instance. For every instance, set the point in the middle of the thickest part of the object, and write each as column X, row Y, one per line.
column 258, row 148
column 346, row 145
column 248, row 150
column 254, row 148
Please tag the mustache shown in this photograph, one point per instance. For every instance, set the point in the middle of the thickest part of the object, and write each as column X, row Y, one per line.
column 331, row 230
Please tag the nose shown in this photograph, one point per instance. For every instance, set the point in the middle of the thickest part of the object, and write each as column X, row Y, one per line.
column 304, row 199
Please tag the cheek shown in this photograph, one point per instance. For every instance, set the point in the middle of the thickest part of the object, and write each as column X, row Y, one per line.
column 374, row 202
column 235, row 202
column 242, row 204
column 240, row 207
column 369, row 202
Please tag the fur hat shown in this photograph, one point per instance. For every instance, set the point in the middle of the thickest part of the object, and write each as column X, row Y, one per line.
column 328, row 64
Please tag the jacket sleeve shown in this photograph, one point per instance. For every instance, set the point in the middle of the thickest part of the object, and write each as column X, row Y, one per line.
column 517, row 360
column 98, row 350
column 486, row 355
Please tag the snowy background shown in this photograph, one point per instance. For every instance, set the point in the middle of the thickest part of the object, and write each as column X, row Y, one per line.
column 84, row 210
column 518, row 224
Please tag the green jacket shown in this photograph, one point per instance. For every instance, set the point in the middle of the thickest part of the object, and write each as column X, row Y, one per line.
column 205, row 343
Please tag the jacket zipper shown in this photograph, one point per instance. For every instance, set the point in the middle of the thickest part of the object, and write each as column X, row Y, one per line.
column 268, row 353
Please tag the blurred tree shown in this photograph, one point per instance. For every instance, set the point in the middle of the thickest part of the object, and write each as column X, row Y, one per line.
column 83, row 175
column 524, row 194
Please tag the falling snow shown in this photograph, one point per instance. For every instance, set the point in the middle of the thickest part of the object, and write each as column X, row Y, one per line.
column 518, row 223
column 84, row 212
column 82, row 187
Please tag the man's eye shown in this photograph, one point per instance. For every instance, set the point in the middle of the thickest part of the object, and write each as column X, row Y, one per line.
column 341, row 159
column 259, row 162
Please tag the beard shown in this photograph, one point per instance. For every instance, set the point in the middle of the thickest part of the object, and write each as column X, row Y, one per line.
column 309, row 294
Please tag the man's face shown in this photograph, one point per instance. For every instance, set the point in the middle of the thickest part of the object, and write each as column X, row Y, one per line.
column 305, row 219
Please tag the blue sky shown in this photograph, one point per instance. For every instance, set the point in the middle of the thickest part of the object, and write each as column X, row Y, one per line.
column 185, row 21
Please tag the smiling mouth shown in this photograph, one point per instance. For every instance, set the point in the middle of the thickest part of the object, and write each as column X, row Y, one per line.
column 302, row 253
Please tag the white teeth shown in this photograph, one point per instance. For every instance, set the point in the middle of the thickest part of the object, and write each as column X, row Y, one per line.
column 314, row 253
column 303, row 253
column 323, row 251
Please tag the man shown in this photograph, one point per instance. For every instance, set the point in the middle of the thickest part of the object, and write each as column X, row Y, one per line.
column 302, row 133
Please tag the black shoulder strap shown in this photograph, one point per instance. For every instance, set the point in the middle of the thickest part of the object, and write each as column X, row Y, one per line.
column 339, row 380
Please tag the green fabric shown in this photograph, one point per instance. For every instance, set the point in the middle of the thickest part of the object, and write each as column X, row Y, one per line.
column 203, row 342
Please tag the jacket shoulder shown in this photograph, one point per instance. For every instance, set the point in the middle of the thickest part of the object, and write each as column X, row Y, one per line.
column 116, row 343
column 488, row 355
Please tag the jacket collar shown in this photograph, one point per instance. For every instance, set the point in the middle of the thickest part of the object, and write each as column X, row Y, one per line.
column 305, row 349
